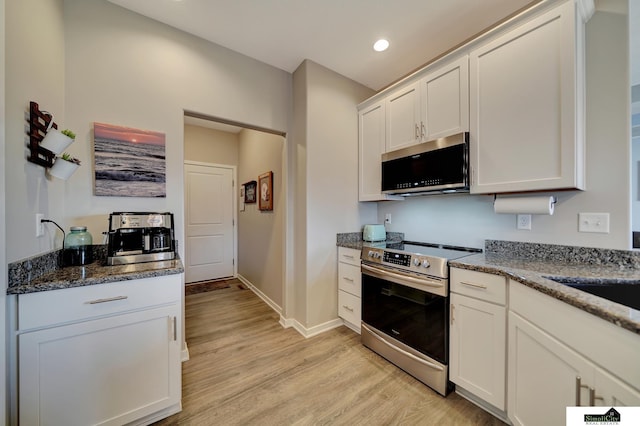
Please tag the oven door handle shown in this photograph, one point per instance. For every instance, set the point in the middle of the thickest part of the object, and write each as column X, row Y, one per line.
column 403, row 352
column 381, row 273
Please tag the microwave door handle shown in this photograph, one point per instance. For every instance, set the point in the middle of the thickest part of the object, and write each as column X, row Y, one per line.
column 420, row 281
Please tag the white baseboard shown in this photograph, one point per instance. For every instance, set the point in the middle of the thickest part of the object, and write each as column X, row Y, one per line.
column 260, row 294
column 290, row 322
column 502, row 415
column 185, row 352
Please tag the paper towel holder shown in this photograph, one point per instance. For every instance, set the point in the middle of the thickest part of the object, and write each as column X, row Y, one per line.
column 532, row 204
column 554, row 199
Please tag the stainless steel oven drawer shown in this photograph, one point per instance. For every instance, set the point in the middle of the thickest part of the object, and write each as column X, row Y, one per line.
column 430, row 372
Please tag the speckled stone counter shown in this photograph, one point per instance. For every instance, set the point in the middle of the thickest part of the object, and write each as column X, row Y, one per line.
column 531, row 264
column 43, row 273
column 354, row 240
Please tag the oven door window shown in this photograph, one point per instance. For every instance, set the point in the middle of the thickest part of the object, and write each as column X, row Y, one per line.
column 414, row 317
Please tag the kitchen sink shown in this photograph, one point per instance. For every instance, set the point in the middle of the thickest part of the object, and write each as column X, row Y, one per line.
column 627, row 294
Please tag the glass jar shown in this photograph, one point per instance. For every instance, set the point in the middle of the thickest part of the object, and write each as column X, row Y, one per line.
column 78, row 247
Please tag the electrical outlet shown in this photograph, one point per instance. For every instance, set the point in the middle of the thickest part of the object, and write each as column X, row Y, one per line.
column 387, row 218
column 39, row 225
column 524, row 221
column 593, row 222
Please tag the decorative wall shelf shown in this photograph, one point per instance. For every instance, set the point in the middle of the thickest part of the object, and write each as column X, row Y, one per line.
column 39, row 122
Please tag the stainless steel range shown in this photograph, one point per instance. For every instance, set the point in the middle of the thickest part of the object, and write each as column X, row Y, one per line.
column 405, row 307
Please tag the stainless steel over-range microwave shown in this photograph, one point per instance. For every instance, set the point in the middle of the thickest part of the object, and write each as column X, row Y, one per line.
column 437, row 166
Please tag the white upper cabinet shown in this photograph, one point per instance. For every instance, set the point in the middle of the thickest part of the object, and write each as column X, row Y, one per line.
column 526, row 106
column 445, row 100
column 371, row 134
column 434, row 106
column 403, row 118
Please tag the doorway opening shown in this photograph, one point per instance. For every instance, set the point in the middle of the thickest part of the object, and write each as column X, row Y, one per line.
column 228, row 235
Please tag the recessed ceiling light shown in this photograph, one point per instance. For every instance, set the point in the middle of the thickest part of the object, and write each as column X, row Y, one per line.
column 380, row 45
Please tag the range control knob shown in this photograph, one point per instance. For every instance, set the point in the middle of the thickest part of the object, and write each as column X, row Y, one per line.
column 370, row 253
column 425, row 263
column 416, row 261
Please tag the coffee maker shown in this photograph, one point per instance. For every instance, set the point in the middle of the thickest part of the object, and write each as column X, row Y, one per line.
column 136, row 237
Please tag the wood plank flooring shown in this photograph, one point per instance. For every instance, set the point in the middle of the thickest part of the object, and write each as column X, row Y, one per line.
column 245, row 369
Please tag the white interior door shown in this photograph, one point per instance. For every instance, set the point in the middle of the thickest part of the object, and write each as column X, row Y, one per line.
column 209, row 222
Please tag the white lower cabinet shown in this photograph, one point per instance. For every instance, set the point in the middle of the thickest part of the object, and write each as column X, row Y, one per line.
column 543, row 376
column 477, row 359
column 112, row 366
column 478, row 340
column 560, row 356
column 349, row 287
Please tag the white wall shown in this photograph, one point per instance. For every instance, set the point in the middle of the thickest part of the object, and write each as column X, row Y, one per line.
column 468, row 220
column 634, row 48
column 261, row 247
column 128, row 70
column 34, row 71
column 3, row 253
column 330, row 193
column 210, row 145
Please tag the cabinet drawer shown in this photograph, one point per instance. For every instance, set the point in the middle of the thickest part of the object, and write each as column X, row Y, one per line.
column 349, row 307
column 48, row 308
column 349, row 278
column 489, row 287
column 349, row 255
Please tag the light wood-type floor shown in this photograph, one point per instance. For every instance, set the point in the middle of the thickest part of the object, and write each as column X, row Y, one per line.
column 245, row 369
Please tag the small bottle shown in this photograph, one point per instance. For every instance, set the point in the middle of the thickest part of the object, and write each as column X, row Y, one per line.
column 78, row 247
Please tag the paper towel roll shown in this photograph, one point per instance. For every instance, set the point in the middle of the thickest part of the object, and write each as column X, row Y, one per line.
column 525, row 205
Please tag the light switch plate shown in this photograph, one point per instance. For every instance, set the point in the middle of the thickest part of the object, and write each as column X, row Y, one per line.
column 593, row 222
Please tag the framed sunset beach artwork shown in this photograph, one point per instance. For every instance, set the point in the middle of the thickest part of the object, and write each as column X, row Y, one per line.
column 129, row 162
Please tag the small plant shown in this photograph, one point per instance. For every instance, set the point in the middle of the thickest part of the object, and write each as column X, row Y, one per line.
column 66, row 156
column 69, row 133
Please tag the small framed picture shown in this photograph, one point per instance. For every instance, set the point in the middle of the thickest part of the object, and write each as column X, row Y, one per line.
column 250, row 192
column 265, row 191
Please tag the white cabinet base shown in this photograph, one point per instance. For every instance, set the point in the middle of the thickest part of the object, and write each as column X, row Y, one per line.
column 502, row 415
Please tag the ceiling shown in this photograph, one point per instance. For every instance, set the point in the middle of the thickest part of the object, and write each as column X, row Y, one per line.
column 337, row 34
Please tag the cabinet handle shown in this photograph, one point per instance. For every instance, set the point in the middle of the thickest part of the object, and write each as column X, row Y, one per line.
column 348, row 256
column 481, row 286
column 348, row 279
column 348, row 308
column 593, row 397
column 423, row 129
column 417, row 131
column 579, row 387
column 109, row 299
column 174, row 322
column 453, row 309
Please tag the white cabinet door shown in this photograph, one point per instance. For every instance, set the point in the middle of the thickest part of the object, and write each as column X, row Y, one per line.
column 478, row 348
column 525, row 113
column 445, row 100
column 542, row 376
column 403, row 126
column 371, row 145
column 107, row 371
column 611, row 392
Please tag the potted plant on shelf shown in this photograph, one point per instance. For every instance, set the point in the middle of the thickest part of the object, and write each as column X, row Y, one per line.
column 57, row 141
column 64, row 166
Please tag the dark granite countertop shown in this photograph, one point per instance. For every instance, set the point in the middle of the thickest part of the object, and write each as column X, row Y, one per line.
column 354, row 240
column 42, row 273
column 532, row 269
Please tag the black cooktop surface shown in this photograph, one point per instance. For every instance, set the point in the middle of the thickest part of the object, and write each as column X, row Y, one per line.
column 435, row 250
